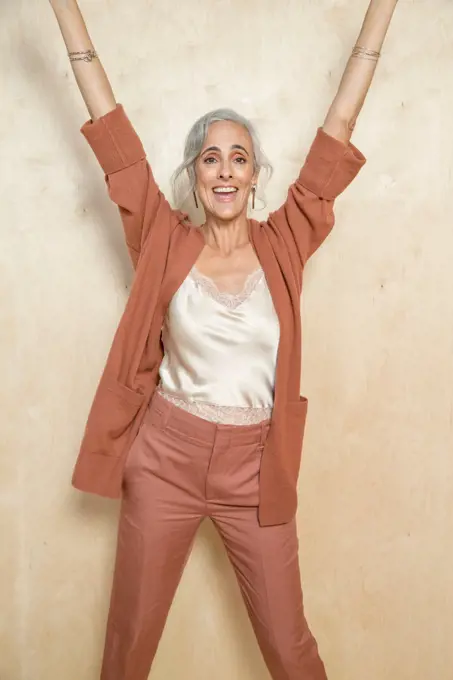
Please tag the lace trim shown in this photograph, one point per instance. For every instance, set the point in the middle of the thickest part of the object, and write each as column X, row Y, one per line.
column 222, row 415
column 230, row 300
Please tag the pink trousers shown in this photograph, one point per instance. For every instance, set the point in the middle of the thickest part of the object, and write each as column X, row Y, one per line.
column 180, row 470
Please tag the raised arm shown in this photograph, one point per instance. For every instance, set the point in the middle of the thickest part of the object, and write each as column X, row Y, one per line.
column 88, row 70
column 359, row 72
column 113, row 139
column 307, row 216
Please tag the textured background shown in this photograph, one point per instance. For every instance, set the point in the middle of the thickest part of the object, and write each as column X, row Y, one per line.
column 376, row 501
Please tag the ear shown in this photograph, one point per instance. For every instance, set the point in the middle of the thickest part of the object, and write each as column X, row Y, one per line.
column 255, row 177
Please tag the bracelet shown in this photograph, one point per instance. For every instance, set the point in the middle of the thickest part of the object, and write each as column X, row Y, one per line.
column 364, row 53
column 87, row 56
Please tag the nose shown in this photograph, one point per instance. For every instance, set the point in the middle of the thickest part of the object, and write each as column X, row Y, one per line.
column 225, row 171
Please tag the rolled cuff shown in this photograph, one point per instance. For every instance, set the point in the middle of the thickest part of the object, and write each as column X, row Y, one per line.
column 114, row 141
column 330, row 166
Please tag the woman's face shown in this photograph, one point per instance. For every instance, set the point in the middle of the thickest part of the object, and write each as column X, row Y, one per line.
column 225, row 170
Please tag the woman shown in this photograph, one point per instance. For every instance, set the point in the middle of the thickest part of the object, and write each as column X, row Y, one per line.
column 198, row 412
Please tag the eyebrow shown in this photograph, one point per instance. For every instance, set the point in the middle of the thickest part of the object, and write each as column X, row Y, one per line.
column 233, row 146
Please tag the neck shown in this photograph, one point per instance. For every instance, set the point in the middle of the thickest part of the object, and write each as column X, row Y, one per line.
column 226, row 236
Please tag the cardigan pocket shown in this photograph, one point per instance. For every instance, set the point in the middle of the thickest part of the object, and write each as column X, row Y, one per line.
column 125, row 392
column 111, row 417
column 296, row 414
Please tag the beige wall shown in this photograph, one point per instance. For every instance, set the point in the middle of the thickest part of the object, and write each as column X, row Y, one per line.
column 376, row 500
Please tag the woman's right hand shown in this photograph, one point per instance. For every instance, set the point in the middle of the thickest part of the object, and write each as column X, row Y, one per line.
column 89, row 73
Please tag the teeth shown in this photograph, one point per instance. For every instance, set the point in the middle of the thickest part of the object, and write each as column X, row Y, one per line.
column 224, row 190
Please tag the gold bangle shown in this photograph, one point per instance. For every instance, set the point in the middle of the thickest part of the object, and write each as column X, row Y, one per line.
column 364, row 53
column 87, row 56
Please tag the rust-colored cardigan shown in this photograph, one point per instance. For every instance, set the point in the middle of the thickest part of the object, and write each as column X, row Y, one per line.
column 164, row 246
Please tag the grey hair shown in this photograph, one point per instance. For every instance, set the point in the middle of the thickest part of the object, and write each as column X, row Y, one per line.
column 194, row 144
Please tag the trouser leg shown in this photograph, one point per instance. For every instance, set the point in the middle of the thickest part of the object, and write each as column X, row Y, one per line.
column 266, row 563
column 265, row 560
column 158, row 522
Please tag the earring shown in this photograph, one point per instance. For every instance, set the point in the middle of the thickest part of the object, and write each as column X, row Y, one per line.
column 195, row 199
column 253, row 196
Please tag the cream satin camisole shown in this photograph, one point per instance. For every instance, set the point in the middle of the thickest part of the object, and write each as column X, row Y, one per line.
column 220, row 350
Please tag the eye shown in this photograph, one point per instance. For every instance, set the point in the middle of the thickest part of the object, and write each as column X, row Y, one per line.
column 241, row 160
column 209, row 159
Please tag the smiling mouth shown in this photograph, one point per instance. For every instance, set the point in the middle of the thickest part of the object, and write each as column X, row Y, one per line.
column 225, row 190
column 225, row 194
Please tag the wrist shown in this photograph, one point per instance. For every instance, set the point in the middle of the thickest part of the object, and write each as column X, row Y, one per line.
column 63, row 5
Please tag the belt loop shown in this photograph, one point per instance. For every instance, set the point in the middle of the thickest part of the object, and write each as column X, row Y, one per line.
column 216, row 436
column 168, row 411
column 165, row 409
column 264, row 431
